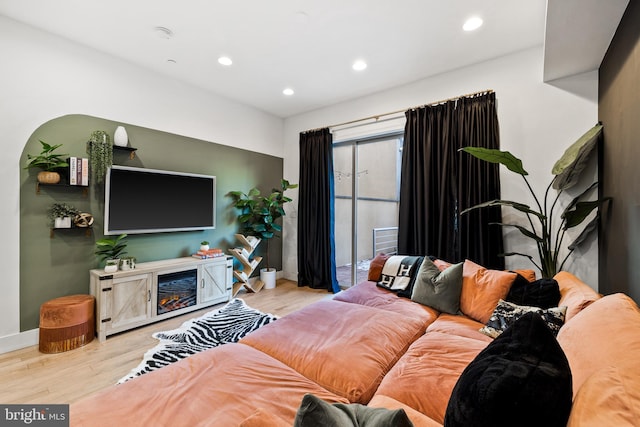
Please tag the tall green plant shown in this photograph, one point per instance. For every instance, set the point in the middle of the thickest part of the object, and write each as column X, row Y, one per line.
column 258, row 214
column 545, row 228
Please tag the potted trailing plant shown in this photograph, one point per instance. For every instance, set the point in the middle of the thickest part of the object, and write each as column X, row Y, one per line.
column 60, row 215
column 49, row 162
column 110, row 251
column 258, row 217
column 545, row 228
column 100, row 153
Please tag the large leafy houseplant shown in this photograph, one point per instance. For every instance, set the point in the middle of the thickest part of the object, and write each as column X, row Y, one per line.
column 259, row 214
column 544, row 227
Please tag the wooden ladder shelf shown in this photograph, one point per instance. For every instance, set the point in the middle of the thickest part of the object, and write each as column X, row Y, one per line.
column 249, row 264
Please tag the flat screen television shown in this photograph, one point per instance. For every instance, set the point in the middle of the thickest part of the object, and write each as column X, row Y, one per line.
column 139, row 200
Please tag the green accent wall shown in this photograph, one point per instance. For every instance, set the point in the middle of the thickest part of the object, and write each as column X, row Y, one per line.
column 59, row 266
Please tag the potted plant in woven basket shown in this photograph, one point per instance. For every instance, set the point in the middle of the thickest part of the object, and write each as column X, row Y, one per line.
column 49, row 162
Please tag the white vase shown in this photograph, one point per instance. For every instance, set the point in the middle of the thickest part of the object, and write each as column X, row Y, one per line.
column 120, row 137
column 268, row 277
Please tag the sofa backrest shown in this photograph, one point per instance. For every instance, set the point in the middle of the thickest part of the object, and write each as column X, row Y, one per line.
column 602, row 344
column 574, row 293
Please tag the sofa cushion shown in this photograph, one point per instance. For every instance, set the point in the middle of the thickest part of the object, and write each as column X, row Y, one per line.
column 263, row 418
column 221, row 386
column 522, row 378
column 314, row 412
column 543, row 293
column 417, row 418
column 574, row 293
column 399, row 271
column 367, row 293
column 424, row 377
column 461, row 326
column 610, row 397
column 506, row 313
column 375, row 267
column 482, row 288
column 603, row 334
column 338, row 345
column 438, row 289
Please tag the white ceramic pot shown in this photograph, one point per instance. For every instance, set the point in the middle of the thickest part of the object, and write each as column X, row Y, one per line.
column 62, row 222
column 111, row 265
column 120, row 137
column 204, row 247
column 268, row 277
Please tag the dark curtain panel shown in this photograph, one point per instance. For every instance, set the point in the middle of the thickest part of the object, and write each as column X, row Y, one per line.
column 438, row 182
column 427, row 203
column 477, row 126
column 316, row 243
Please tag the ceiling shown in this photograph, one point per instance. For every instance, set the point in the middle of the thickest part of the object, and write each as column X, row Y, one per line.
column 306, row 45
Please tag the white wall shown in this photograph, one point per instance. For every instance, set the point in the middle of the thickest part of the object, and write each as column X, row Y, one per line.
column 43, row 77
column 537, row 123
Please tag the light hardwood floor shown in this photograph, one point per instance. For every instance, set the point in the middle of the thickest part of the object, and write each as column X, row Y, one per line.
column 28, row 376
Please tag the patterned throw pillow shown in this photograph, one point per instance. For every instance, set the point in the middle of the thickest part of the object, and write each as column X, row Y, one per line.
column 398, row 272
column 506, row 313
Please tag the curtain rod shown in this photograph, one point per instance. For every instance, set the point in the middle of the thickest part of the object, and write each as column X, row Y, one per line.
column 377, row 116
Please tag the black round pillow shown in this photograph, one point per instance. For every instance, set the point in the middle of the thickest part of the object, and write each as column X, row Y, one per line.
column 521, row 379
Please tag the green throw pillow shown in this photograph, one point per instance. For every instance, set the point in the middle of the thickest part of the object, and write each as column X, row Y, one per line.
column 315, row 412
column 438, row 289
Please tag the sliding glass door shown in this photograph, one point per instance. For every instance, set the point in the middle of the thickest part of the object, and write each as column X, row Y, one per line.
column 367, row 184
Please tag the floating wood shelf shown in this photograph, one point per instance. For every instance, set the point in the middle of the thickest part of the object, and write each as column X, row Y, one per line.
column 243, row 254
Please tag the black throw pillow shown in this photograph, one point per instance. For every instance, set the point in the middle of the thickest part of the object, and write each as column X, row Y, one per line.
column 543, row 293
column 521, row 379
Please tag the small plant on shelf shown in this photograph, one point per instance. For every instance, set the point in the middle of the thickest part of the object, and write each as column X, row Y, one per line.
column 110, row 250
column 204, row 245
column 61, row 214
column 49, row 162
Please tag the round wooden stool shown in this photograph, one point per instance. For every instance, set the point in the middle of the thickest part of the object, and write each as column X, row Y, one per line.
column 66, row 323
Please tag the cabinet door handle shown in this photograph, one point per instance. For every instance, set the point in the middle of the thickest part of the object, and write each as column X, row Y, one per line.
column 149, row 295
column 202, row 283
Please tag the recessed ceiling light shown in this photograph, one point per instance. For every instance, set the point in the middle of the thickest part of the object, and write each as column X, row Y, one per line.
column 472, row 23
column 163, row 32
column 288, row 91
column 225, row 60
column 359, row 65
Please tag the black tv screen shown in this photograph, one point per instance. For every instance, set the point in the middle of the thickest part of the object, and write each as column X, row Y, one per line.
column 141, row 200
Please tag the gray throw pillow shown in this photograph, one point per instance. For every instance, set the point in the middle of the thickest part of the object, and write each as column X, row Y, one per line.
column 438, row 289
column 315, row 412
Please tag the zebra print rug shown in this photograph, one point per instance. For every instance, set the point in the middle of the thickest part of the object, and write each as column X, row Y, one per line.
column 225, row 325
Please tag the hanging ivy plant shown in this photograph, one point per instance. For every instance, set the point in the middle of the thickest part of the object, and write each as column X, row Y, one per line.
column 100, row 153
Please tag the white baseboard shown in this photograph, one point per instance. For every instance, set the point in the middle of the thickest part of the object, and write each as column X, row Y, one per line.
column 21, row 340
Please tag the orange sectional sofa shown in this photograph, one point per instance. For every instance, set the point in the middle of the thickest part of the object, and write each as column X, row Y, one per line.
column 369, row 346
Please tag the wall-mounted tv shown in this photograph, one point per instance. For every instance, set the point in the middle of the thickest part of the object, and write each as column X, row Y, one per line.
column 139, row 200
